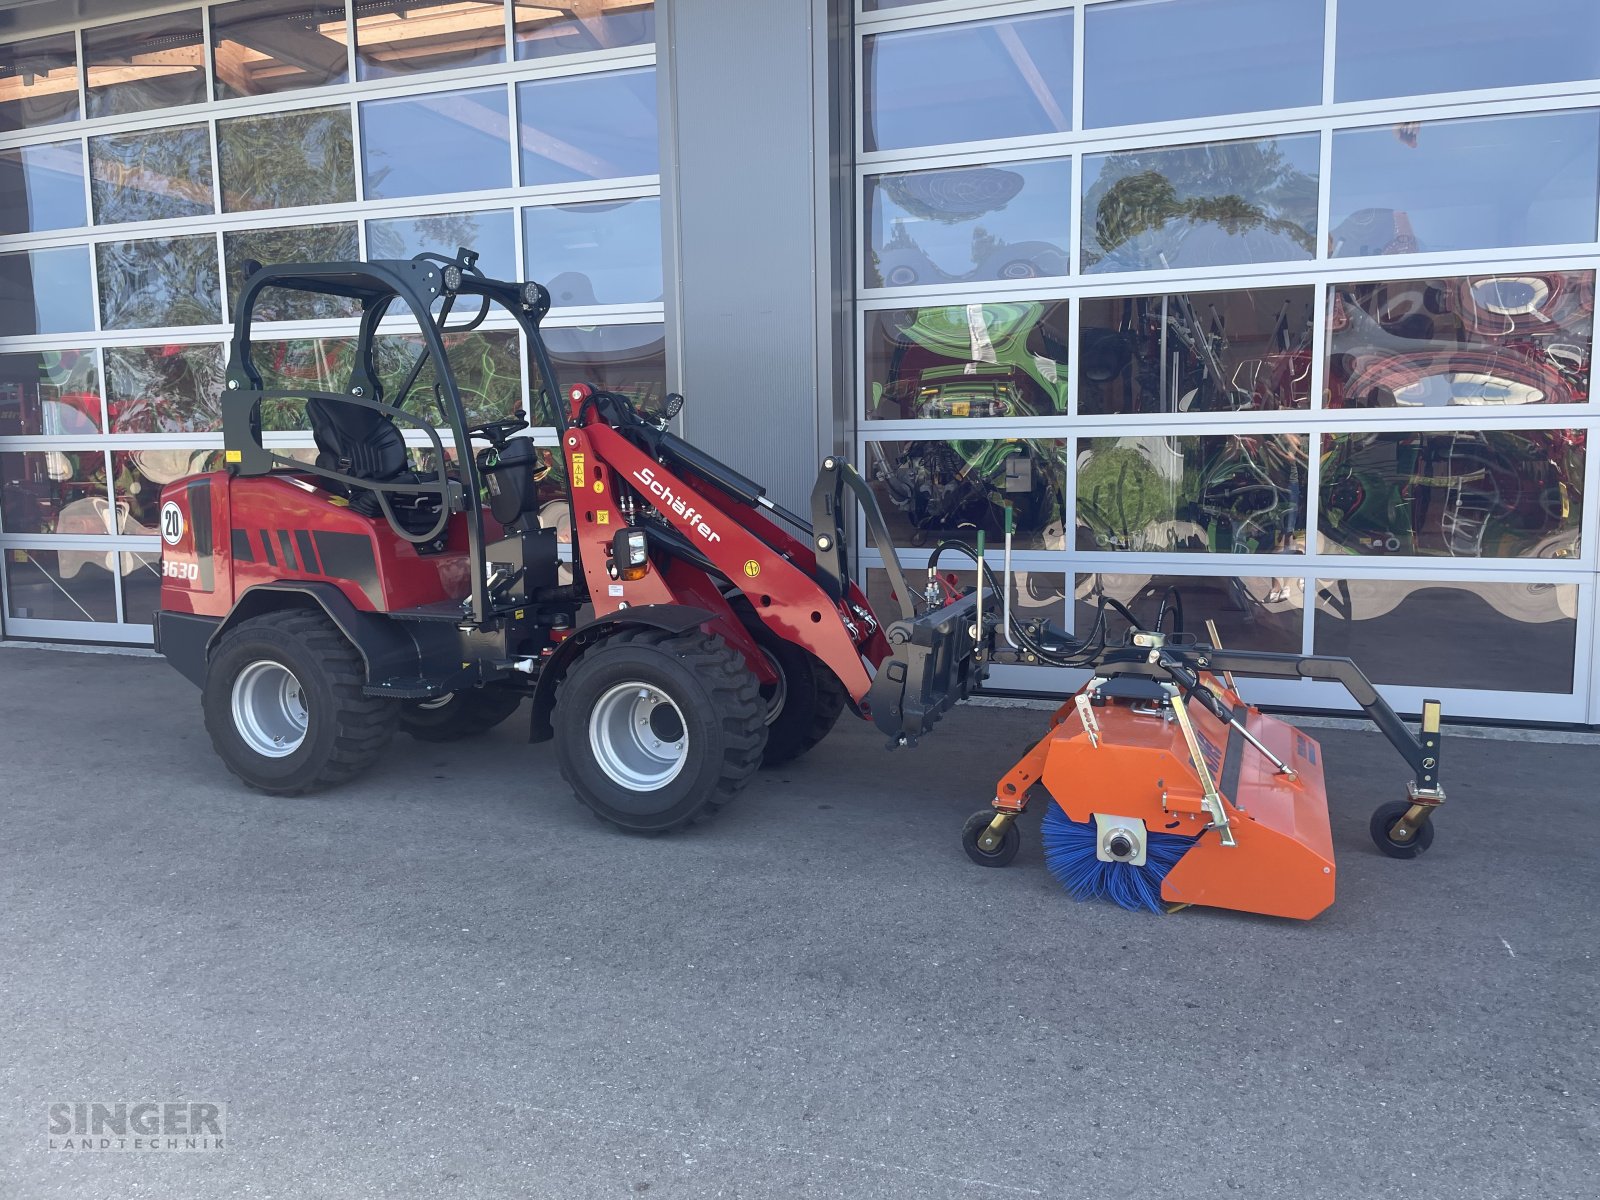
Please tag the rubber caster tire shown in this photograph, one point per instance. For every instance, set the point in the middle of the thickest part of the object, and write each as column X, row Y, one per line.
column 1010, row 841
column 283, row 704
column 459, row 714
column 1385, row 817
column 657, row 730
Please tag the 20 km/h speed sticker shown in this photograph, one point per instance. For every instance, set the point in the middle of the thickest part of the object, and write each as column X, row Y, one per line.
column 171, row 523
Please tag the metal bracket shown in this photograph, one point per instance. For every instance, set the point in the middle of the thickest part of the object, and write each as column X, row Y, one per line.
column 1213, row 799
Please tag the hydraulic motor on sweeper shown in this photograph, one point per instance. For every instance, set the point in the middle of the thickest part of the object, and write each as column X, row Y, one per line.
column 698, row 630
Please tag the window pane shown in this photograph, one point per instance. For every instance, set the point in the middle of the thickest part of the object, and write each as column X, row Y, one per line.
column 930, row 490
column 449, row 142
column 1518, row 338
column 403, row 37
column 607, row 252
column 1222, row 494
column 1486, row 493
column 46, row 393
column 153, row 175
column 1524, row 180
column 546, row 30
column 487, row 365
column 261, row 47
column 59, row 585
column 46, row 291
column 54, row 491
column 1035, row 595
column 489, row 233
column 967, row 360
column 139, row 475
column 1201, row 206
column 41, row 187
column 1389, row 49
column 1252, row 613
column 1411, row 632
column 141, row 587
column 38, row 82
column 1196, row 352
column 961, row 83
column 164, row 389
column 630, row 359
column 298, row 243
column 589, row 127
column 1169, row 60
column 139, row 65
column 159, row 281
column 300, row 364
column 287, row 159
column 1009, row 221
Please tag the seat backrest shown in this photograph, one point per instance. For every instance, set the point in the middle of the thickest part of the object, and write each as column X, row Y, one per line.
column 356, row 441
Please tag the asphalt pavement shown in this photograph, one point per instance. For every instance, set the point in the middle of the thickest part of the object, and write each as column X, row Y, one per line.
column 448, row 980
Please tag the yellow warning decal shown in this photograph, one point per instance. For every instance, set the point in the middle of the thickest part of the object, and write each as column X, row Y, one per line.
column 339, row 500
column 577, row 471
column 233, row 456
column 598, row 486
column 602, row 516
column 752, row 568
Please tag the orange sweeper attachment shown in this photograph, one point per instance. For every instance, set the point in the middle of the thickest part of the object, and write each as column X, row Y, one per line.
column 1169, row 790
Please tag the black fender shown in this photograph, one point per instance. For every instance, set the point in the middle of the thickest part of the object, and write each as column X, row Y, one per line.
column 674, row 618
column 383, row 644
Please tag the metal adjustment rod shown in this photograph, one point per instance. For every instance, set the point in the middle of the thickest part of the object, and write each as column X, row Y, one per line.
column 1213, row 798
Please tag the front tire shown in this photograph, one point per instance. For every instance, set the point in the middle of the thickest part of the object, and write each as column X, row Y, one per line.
column 803, row 706
column 458, row 714
column 657, row 730
column 284, row 706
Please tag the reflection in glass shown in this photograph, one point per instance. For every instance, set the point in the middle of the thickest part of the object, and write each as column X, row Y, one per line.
column 1009, row 221
column 1251, row 613
column 59, row 585
column 41, row 187
column 1010, row 77
column 489, row 233
column 164, row 389
column 294, row 243
column 1411, row 632
column 1217, row 494
column 1201, row 206
column 46, row 393
column 46, row 291
column 1523, row 180
column 1035, row 595
column 630, row 359
column 151, row 175
column 1485, row 493
column 139, row 475
column 141, row 587
column 546, row 30
column 967, row 360
column 286, row 159
column 1389, row 49
column 1520, row 338
column 588, row 127
column 156, row 282
column 38, row 82
column 1171, row 60
column 930, row 490
column 54, row 491
column 486, row 364
column 321, row 364
column 405, row 37
column 262, row 47
column 154, row 63
column 1234, row 351
column 607, row 252
column 444, row 142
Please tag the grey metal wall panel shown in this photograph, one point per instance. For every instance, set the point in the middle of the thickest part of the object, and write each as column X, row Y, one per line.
column 753, row 173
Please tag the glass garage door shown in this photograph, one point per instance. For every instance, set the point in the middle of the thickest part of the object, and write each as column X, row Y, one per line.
column 1288, row 304
column 142, row 163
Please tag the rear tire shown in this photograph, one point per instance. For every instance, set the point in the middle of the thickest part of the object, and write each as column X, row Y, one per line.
column 803, row 707
column 459, row 714
column 284, row 707
column 657, row 730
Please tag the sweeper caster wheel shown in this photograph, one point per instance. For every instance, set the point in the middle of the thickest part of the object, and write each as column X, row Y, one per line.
column 1010, row 840
column 1383, row 821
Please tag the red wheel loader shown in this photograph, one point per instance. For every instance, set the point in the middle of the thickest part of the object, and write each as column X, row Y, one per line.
column 699, row 629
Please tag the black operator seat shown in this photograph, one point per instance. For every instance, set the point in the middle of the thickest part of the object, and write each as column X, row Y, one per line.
column 359, row 441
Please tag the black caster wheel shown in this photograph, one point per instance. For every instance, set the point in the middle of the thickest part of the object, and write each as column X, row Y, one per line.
column 1010, row 841
column 1384, row 819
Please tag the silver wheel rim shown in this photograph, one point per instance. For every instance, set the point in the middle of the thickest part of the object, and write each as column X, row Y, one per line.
column 269, row 709
column 780, row 690
column 638, row 737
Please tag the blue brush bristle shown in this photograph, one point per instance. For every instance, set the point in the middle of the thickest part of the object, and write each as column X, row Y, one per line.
column 1070, row 851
